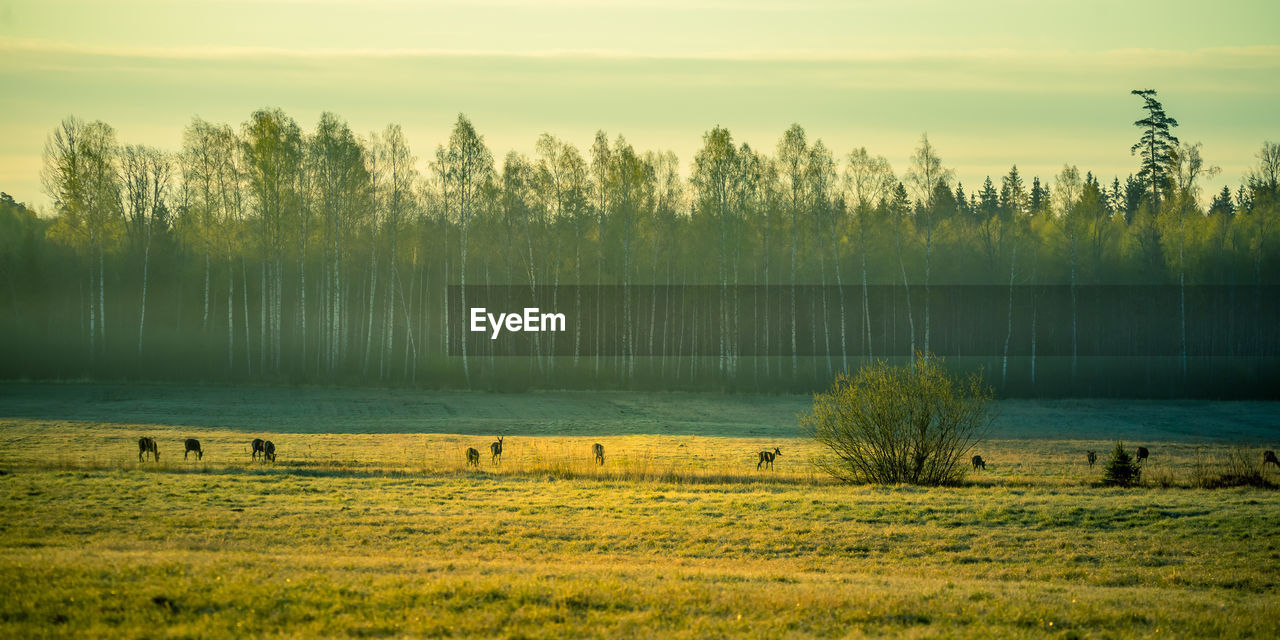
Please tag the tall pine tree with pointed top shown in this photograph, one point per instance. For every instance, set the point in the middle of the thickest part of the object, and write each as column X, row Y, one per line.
column 1156, row 145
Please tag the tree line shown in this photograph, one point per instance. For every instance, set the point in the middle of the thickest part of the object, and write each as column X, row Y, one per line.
column 265, row 252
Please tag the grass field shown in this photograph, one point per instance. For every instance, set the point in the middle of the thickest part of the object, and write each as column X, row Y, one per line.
column 389, row 534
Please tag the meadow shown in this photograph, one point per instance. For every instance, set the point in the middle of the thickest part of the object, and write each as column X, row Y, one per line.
column 390, row 534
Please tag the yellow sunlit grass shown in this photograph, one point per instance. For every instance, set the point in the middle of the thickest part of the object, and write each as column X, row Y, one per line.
column 390, row 535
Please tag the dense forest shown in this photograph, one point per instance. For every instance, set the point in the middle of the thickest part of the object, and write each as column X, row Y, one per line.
column 269, row 254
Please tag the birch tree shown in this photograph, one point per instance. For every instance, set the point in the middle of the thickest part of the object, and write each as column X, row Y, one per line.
column 600, row 161
column 868, row 180
column 81, row 179
column 271, row 147
column 1189, row 168
column 1013, row 198
column 1066, row 191
column 714, row 172
column 820, row 174
column 792, row 153
column 398, row 202
column 468, row 167
column 925, row 175
column 146, row 175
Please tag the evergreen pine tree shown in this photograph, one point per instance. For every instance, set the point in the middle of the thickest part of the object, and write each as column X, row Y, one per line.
column 1157, row 144
column 1121, row 470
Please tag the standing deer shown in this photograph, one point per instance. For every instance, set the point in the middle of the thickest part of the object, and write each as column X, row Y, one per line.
column 496, row 450
column 1143, row 453
column 258, row 444
column 473, row 457
column 1270, row 457
column 766, row 458
column 269, row 451
column 148, row 445
column 193, row 445
column 1093, row 457
column 599, row 451
column 979, row 463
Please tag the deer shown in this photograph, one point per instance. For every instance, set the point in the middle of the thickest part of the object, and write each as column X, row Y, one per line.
column 1269, row 457
column 766, row 458
column 269, row 451
column 599, row 451
column 473, row 457
column 258, row 445
column 1093, row 457
column 193, row 445
column 1143, row 453
column 979, row 463
column 496, row 450
column 148, row 446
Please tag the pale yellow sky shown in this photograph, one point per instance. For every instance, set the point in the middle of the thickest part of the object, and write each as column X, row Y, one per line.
column 993, row 83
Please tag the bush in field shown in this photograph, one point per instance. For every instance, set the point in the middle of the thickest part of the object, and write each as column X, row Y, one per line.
column 1121, row 470
column 914, row 424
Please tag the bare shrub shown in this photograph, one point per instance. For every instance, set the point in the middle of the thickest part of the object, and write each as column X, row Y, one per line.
column 1202, row 474
column 1162, row 478
column 1237, row 466
column 887, row 425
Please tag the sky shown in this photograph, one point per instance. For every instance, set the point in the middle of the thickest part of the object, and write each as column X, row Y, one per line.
column 992, row 82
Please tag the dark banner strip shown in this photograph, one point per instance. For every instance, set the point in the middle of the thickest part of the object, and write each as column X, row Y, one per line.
column 880, row 320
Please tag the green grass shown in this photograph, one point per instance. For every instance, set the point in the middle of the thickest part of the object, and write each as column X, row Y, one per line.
column 390, row 535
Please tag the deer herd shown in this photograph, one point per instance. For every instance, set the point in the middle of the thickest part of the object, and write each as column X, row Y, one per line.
column 147, row 447
column 266, row 451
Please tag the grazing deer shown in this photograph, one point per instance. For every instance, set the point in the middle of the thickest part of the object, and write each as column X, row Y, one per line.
column 473, row 456
column 269, row 451
column 1270, row 457
column 496, row 450
column 1093, row 457
column 193, row 445
column 979, row 463
column 148, row 445
column 766, row 458
column 258, row 445
column 599, row 451
column 1143, row 453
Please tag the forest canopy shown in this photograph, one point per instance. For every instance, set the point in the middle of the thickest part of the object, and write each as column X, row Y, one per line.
column 266, row 252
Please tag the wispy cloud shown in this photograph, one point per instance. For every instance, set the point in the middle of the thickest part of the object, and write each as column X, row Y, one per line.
column 1256, row 57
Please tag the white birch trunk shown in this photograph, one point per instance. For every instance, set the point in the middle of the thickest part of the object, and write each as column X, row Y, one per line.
column 231, row 325
column 1008, row 336
column 795, row 360
column 146, row 263
column 279, row 307
column 928, row 264
column 93, row 308
column 102, row 298
column 244, row 307
column 205, row 322
column 902, row 265
column 835, row 255
column 866, row 303
column 826, row 312
column 373, row 286
column 262, row 314
column 1074, row 313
